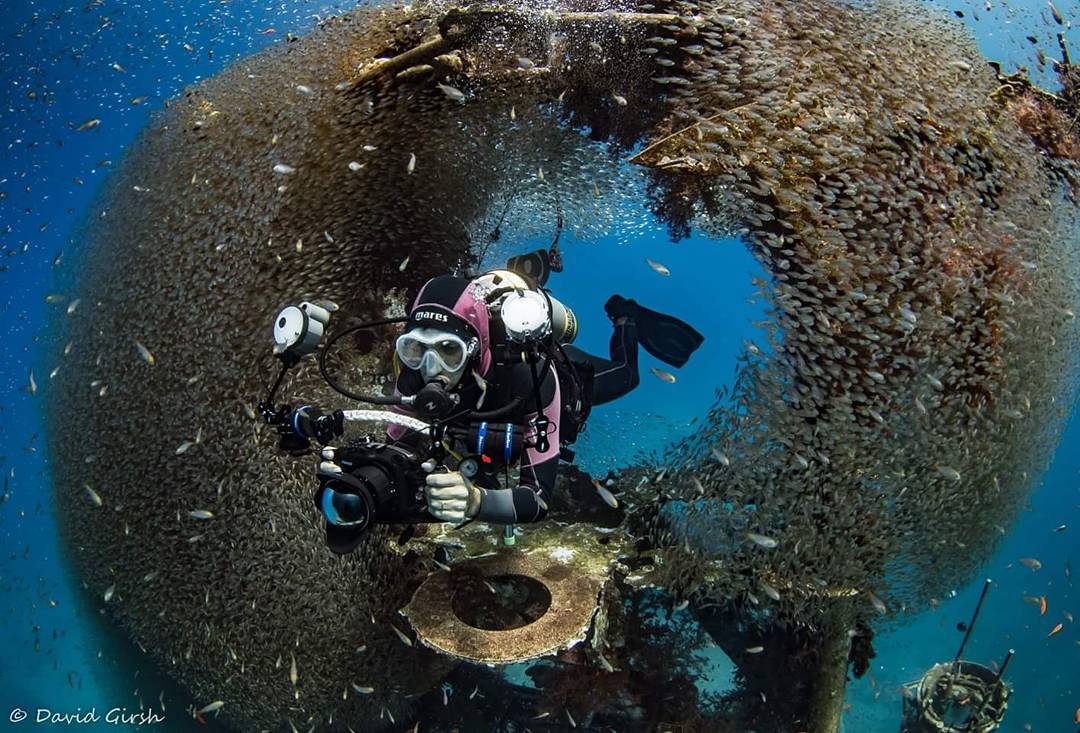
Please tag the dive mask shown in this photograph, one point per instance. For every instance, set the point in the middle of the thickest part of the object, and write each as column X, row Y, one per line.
column 432, row 352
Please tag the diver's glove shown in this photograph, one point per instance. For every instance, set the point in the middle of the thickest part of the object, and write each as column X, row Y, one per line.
column 451, row 497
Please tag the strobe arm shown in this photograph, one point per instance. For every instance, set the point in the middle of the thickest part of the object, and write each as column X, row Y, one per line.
column 297, row 332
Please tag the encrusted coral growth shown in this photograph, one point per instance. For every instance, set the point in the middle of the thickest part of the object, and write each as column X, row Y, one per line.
column 916, row 366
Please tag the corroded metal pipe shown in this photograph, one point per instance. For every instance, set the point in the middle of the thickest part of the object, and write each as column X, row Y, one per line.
column 826, row 702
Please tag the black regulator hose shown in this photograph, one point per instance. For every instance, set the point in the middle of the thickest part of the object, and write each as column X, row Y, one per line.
column 496, row 414
column 370, row 399
column 501, row 412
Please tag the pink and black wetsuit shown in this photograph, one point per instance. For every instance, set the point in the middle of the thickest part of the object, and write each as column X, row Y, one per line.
column 451, row 304
column 528, row 501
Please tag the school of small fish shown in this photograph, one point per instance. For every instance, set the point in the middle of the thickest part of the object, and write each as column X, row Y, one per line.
column 886, row 415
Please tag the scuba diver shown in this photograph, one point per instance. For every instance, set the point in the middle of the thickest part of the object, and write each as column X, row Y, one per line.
column 487, row 382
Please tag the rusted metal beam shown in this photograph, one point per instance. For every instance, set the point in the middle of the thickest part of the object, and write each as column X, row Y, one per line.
column 458, row 25
column 418, row 55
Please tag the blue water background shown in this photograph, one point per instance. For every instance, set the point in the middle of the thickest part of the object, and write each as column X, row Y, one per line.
column 65, row 52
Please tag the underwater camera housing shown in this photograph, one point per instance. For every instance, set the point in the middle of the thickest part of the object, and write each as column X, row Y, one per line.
column 388, row 480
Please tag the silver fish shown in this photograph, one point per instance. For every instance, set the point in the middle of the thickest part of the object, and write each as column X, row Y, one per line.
column 94, row 496
column 607, row 496
column 201, row 514
column 761, row 540
column 1030, row 563
column 412, row 163
column 662, row 375
column 404, row 639
column 214, row 706
column 697, row 484
column 658, row 267
column 145, row 353
column 721, row 456
column 283, row 169
column 949, row 472
column 452, row 93
column 1058, row 18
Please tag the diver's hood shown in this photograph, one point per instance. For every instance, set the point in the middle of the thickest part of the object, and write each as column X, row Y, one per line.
column 454, row 305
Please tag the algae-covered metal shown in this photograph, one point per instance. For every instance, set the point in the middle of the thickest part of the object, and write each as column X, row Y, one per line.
column 569, row 569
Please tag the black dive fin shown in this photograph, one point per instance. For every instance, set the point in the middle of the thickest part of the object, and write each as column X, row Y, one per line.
column 667, row 338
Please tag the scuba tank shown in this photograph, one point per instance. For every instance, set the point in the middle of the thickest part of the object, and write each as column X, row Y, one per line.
column 527, row 312
column 526, row 318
